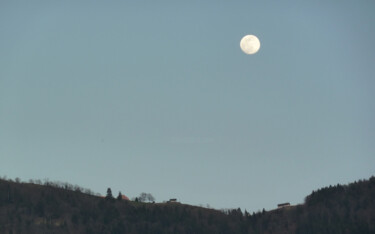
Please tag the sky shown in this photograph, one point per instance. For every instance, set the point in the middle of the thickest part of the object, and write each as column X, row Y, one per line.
column 157, row 97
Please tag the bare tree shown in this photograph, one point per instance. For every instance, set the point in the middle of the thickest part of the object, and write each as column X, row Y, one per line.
column 144, row 197
column 150, row 198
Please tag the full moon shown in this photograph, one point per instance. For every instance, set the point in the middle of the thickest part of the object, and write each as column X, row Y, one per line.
column 250, row 44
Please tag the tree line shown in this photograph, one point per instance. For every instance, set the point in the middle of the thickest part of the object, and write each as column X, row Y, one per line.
column 143, row 197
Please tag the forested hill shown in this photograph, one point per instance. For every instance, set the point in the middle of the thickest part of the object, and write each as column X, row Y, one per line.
column 34, row 208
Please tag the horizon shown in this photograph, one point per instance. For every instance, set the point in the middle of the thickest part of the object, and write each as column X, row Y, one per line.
column 73, row 187
column 160, row 98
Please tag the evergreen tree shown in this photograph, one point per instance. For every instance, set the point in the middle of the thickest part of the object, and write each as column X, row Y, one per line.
column 119, row 197
column 109, row 194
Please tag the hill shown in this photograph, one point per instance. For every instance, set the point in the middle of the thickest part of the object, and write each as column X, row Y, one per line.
column 61, row 208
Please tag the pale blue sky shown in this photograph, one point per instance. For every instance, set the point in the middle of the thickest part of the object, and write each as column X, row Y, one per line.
column 156, row 96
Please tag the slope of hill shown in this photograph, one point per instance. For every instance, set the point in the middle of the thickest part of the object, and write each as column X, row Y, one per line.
column 32, row 208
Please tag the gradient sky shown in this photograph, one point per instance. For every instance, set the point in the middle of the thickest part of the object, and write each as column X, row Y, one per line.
column 157, row 97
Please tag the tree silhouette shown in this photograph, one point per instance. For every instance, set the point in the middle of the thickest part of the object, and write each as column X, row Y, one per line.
column 119, row 197
column 109, row 194
column 150, row 198
column 143, row 197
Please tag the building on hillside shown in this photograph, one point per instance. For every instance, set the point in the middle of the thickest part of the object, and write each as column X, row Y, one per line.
column 282, row 205
column 123, row 197
column 172, row 200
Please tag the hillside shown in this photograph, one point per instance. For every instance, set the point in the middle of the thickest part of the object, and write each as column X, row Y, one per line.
column 34, row 208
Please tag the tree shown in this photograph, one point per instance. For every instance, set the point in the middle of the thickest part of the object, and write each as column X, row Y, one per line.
column 150, row 198
column 109, row 194
column 119, row 197
column 143, row 197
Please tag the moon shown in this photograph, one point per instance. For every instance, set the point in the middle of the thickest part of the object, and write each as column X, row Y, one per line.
column 250, row 44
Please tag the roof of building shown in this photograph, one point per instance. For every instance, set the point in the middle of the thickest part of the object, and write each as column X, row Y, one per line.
column 283, row 204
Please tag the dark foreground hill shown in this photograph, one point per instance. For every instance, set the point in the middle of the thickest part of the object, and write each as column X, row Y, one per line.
column 32, row 208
